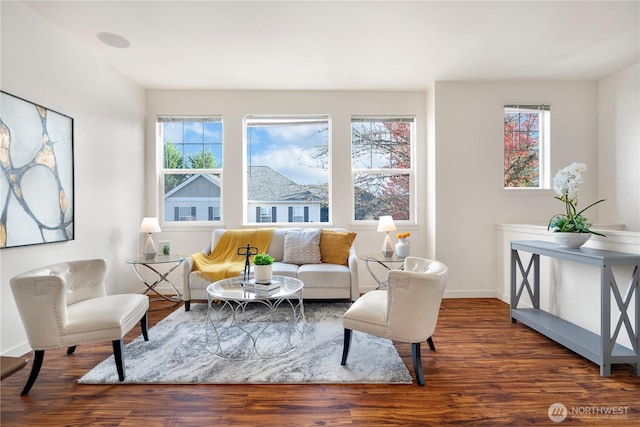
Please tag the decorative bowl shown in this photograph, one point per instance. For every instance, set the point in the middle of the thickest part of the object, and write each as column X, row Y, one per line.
column 571, row 240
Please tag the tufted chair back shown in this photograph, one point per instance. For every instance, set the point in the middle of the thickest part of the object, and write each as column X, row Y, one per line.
column 66, row 305
column 42, row 296
column 413, row 299
column 406, row 311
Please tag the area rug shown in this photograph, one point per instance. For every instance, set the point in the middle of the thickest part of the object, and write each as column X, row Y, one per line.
column 177, row 353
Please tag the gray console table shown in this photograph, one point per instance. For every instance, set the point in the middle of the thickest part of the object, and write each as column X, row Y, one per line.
column 600, row 349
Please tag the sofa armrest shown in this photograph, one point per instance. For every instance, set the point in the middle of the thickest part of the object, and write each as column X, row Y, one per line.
column 353, row 270
column 187, row 268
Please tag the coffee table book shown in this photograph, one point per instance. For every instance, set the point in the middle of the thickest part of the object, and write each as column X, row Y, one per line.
column 252, row 285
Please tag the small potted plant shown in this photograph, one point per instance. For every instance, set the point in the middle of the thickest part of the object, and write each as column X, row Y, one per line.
column 262, row 267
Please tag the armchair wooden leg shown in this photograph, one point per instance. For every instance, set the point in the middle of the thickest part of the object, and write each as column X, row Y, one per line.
column 144, row 325
column 187, row 305
column 346, row 346
column 118, row 349
column 431, row 344
column 417, row 363
column 70, row 350
column 38, row 357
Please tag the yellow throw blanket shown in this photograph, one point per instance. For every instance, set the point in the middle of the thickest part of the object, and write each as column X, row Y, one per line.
column 224, row 260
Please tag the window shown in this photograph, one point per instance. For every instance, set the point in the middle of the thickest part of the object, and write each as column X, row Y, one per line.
column 287, row 168
column 382, row 167
column 184, row 213
column 191, row 173
column 299, row 214
column 526, row 141
column 214, row 213
column 266, row 214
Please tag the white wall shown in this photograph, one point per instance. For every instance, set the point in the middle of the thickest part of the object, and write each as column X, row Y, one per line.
column 43, row 65
column 458, row 205
column 619, row 147
column 340, row 105
column 469, row 196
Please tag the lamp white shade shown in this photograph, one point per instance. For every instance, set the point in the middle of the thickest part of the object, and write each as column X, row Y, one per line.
column 386, row 223
column 149, row 225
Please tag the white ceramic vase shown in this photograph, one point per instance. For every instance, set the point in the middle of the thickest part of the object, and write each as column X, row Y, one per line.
column 571, row 240
column 402, row 248
column 262, row 273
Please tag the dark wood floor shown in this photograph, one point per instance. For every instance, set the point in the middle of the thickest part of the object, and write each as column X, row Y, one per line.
column 486, row 371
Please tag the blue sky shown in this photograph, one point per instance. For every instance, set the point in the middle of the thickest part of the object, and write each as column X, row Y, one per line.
column 287, row 149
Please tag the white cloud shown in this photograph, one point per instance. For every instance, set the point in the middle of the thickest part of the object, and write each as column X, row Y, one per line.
column 293, row 162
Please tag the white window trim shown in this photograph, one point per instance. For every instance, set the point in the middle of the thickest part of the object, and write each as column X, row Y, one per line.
column 544, row 148
column 267, row 119
column 411, row 171
column 163, row 172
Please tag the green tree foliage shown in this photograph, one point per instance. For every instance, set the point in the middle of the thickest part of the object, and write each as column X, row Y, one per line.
column 203, row 160
column 173, row 159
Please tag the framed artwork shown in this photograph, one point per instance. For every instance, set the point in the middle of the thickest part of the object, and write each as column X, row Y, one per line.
column 164, row 247
column 36, row 184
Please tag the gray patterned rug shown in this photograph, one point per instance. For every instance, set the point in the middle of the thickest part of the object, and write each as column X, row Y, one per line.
column 177, row 353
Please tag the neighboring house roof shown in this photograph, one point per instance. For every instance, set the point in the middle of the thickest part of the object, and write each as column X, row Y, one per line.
column 280, row 188
column 196, row 186
column 320, row 190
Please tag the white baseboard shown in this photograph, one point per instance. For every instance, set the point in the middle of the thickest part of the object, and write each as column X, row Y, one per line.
column 458, row 294
column 18, row 351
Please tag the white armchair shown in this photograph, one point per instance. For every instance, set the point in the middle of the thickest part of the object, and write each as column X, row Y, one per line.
column 65, row 305
column 406, row 311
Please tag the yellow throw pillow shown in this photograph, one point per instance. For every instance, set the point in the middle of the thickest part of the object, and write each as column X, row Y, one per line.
column 335, row 245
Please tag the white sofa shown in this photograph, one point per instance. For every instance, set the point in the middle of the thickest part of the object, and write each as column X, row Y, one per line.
column 321, row 281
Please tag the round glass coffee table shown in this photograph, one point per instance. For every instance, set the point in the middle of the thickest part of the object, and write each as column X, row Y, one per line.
column 243, row 322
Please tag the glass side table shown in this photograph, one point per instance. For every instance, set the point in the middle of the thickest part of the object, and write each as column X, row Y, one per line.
column 388, row 262
column 150, row 264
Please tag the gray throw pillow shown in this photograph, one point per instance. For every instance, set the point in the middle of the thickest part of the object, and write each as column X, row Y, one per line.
column 302, row 247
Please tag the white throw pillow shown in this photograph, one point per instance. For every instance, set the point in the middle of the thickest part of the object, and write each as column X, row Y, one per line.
column 302, row 247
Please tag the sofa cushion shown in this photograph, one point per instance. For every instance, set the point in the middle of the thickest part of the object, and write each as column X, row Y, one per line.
column 302, row 247
column 325, row 276
column 283, row 269
column 335, row 246
column 276, row 249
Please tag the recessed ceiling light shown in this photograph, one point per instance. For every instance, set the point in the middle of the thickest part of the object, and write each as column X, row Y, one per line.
column 113, row 40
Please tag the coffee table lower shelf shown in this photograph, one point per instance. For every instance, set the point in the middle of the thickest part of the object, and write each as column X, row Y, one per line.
column 243, row 323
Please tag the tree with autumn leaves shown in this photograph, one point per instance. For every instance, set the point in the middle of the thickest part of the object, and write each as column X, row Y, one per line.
column 378, row 146
column 521, row 149
column 382, row 145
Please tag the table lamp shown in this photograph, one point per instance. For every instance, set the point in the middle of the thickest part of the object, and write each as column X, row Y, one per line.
column 386, row 224
column 149, row 225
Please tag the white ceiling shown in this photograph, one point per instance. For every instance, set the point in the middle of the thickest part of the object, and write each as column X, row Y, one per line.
column 354, row 45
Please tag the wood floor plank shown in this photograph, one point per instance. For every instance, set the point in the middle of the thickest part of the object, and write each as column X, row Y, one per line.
column 485, row 371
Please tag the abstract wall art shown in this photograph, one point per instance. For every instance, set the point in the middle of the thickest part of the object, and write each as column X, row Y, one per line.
column 36, row 184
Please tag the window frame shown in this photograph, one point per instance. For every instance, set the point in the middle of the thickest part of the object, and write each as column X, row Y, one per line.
column 163, row 172
column 544, row 145
column 280, row 208
column 411, row 172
